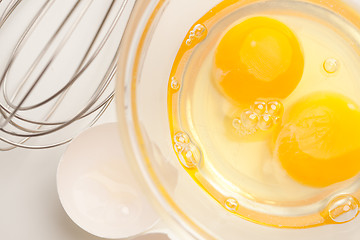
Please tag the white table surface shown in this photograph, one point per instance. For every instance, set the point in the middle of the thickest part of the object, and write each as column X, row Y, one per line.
column 29, row 203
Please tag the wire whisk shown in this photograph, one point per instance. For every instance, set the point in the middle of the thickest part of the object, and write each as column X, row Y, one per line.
column 60, row 59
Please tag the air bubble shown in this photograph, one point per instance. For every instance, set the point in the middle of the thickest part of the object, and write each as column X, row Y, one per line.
column 181, row 138
column 274, row 108
column 178, row 147
column 190, row 156
column 331, row 65
column 236, row 123
column 174, row 83
column 249, row 119
column 199, row 30
column 343, row 208
column 277, row 120
column 265, row 122
column 259, row 107
column 188, row 42
column 231, row 204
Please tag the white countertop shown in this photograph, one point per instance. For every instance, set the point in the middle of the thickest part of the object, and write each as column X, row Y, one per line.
column 29, row 203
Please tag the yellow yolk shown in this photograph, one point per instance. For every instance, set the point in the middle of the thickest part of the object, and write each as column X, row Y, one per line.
column 318, row 144
column 258, row 58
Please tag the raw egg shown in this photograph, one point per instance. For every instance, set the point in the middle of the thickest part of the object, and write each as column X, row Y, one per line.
column 258, row 58
column 318, row 144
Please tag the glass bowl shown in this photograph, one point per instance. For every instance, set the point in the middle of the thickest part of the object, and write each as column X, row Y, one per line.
column 155, row 31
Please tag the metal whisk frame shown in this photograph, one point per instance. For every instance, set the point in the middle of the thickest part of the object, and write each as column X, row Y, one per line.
column 57, row 79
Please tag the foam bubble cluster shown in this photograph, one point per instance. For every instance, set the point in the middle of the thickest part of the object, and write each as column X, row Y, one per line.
column 196, row 33
column 188, row 153
column 262, row 115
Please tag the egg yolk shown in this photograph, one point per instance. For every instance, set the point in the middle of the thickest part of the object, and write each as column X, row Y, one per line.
column 318, row 144
column 259, row 57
